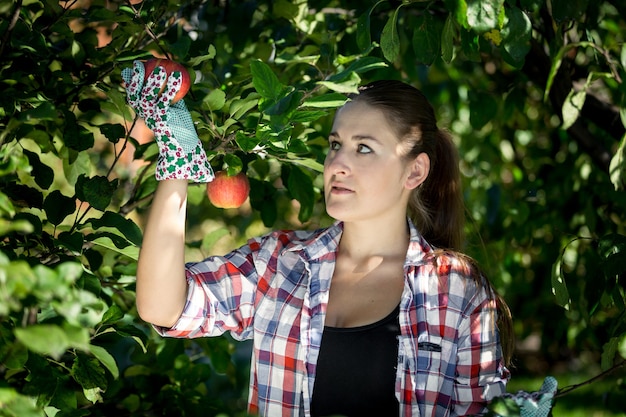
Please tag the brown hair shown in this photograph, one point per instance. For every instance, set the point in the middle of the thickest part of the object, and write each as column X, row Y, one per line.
column 436, row 207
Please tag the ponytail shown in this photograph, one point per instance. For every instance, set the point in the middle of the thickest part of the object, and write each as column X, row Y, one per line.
column 436, row 206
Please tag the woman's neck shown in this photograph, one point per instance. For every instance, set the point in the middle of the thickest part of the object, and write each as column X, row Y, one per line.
column 363, row 240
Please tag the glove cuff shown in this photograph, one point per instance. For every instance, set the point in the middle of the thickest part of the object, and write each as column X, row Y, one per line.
column 175, row 163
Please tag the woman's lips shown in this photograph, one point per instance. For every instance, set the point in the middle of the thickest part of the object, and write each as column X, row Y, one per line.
column 339, row 189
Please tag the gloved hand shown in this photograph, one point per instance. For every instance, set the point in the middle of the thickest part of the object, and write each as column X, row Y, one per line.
column 181, row 155
column 538, row 403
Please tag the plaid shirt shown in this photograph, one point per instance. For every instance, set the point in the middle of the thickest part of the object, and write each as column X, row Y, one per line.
column 274, row 290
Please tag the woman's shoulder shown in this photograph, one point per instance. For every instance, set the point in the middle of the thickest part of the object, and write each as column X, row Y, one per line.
column 457, row 271
column 302, row 239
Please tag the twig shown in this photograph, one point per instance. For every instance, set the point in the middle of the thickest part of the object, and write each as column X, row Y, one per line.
column 570, row 388
column 7, row 34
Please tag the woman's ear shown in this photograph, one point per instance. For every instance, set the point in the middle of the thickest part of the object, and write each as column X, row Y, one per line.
column 418, row 171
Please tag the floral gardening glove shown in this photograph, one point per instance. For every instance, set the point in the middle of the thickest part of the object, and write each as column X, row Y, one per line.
column 181, row 155
column 538, row 403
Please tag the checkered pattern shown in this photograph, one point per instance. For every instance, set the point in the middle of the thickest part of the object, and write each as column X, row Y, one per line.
column 274, row 290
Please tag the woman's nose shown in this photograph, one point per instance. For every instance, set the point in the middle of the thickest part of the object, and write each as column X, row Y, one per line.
column 337, row 162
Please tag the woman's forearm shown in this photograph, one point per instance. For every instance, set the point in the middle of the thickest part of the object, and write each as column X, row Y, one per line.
column 161, row 283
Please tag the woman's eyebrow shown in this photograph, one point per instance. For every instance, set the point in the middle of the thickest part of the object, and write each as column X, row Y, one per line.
column 355, row 137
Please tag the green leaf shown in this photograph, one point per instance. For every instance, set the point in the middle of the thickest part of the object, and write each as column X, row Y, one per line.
column 215, row 100
column 97, row 191
column 134, row 333
column 483, row 15
column 264, row 80
column 346, row 86
column 238, row 108
column 263, row 199
column 90, row 375
column 427, row 39
column 559, row 288
column 572, row 106
column 58, row 207
column 363, row 31
column 300, row 186
column 76, row 136
column 42, row 173
column 246, row 142
column 447, row 40
column 483, row 109
column 123, row 226
column 106, row 242
column 15, row 404
column 45, row 339
column 285, row 9
column 306, row 162
column 113, row 132
column 72, row 241
column 516, row 34
column 44, row 111
column 390, row 38
column 233, row 163
column 609, row 351
column 617, row 167
column 105, row 359
column 112, row 315
column 284, row 106
column 326, row 101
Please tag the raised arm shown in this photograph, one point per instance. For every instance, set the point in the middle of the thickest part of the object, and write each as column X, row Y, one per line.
column 161, row 283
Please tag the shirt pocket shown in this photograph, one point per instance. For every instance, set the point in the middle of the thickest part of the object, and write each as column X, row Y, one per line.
column 429, row 353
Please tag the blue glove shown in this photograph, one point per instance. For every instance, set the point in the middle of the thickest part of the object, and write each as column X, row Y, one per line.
column 181, row 155
column 538, row 403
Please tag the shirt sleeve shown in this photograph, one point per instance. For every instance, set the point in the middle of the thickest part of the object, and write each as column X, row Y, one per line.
column 480, row 371
column 221, row 293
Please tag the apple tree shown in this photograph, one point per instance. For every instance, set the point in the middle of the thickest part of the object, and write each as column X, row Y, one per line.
column 532, row 91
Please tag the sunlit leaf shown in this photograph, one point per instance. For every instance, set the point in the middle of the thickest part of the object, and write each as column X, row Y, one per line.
column 617, row 167
column 559, row 288
column 90, row 375
column 125, row 227
column 483, row 15
column 46, row 339
column 330, row 100
column 215, row 100
column 265, row 82
column 572, row 106
column 105, row 359
column 106, row 242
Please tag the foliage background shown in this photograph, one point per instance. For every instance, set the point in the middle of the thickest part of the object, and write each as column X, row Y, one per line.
column 532, row 91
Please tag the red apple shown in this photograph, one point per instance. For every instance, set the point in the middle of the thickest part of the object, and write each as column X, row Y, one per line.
column 228, row 191
column 170, row 67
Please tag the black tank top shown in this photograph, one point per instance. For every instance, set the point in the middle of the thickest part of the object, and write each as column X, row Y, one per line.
column 356, row 370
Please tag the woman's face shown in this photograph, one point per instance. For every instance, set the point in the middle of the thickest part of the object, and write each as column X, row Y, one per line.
column 366, row 176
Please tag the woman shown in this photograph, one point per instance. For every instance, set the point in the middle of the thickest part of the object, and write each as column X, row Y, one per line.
column 374, row 315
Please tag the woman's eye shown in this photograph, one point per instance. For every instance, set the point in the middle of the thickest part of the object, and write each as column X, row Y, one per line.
column 334, row 145
column 364, row 149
